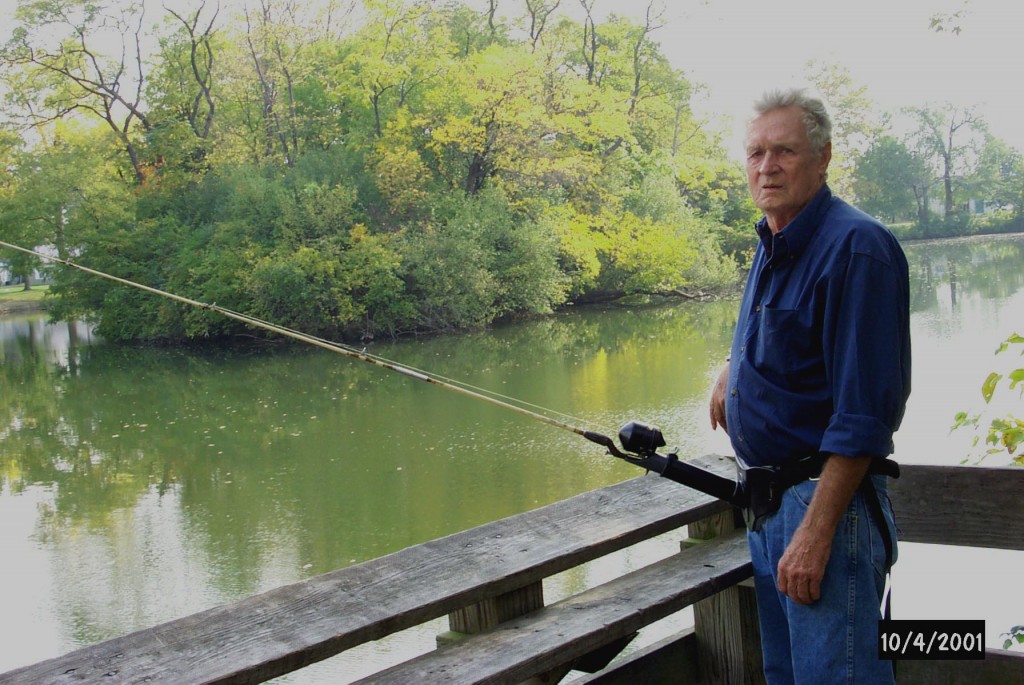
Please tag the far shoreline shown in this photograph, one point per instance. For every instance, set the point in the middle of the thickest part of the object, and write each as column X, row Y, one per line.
column 9, row 307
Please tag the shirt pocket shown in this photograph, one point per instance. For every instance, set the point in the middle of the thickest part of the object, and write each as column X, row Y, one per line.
column 786, row 341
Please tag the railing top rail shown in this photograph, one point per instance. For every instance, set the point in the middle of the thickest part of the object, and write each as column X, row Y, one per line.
column 960, row 505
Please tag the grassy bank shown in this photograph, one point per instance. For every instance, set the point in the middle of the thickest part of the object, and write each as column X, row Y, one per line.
column 14, row 299
column 17, row 293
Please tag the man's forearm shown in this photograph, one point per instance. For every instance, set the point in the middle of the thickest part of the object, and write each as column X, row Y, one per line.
column 802, row 566
column 840, row 478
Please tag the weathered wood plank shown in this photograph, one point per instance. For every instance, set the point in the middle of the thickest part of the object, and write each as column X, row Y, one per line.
column 484, row 615
column 726, row 625
column 998, row 668
column 671, row 661
column 960, row 505
column 558, row 634
column 282, row 630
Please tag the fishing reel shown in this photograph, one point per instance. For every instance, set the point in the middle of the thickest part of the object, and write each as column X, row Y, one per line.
column 640, row 438
column 640, row 443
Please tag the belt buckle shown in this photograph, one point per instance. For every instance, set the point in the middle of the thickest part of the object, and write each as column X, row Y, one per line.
column 815, row 479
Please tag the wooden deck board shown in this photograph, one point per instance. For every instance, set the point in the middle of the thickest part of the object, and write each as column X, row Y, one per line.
column 553, row 636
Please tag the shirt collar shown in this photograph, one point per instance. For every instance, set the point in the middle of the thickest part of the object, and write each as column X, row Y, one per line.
column 794, row 238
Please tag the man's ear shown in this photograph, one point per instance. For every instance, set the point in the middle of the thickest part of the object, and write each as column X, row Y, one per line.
column 826, row 157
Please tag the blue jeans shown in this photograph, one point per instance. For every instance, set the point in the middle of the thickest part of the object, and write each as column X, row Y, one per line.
column 834, row 640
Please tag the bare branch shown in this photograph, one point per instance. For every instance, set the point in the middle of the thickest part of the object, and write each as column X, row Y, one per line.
column 539, row 12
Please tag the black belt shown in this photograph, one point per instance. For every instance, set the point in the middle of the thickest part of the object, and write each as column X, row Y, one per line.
column 763, row 486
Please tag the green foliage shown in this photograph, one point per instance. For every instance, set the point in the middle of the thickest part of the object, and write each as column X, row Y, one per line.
column 854, row 124
column 374, row 270
column 1014, row 637
column 418, row 169
column 137, row 253
column 478, row 261
column 1003, row 433
column 886, row 177
column 300, row 290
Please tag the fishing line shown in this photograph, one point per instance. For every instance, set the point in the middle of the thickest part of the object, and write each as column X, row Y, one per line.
column 466, row 389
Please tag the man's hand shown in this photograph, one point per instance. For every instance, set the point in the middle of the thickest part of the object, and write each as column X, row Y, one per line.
column 718, row 400
column 802, row 566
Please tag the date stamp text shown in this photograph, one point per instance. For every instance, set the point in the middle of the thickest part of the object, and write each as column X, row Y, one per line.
column 931, row 639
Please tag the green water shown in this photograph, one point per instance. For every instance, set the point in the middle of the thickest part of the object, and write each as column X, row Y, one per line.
column 139, row 485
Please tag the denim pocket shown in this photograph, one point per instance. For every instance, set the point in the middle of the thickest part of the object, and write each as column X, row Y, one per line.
column 803, row 492
column 877, row 529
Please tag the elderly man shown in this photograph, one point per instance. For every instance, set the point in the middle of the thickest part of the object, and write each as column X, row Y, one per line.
column 816, row 386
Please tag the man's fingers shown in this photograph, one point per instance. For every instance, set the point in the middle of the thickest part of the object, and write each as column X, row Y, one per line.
column 717, row 404
column 800, row 585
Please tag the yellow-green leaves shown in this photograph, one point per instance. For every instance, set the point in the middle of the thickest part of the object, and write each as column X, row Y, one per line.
column 1004, row 433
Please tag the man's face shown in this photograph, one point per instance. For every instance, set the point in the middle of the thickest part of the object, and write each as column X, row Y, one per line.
column 782, row 171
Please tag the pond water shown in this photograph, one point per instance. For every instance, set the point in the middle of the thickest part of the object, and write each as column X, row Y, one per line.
column 138, row 485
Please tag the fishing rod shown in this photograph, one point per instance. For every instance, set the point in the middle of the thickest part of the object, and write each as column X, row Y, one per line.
column 640, row 441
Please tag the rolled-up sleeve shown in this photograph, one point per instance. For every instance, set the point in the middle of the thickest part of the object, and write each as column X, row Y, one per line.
column 867, row 353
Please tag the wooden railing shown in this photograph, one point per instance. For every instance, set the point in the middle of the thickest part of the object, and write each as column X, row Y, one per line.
column 488, row 581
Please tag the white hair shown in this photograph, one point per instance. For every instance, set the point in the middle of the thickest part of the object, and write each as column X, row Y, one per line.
column 816, row 119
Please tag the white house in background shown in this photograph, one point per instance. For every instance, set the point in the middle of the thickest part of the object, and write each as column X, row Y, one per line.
column 937, row 206
column 40, row 275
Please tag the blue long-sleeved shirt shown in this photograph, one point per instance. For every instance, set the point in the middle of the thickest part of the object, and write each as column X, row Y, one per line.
column 821, row 354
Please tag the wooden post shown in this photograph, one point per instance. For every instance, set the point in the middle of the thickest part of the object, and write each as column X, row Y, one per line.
column 494, row 610
column 728, row 636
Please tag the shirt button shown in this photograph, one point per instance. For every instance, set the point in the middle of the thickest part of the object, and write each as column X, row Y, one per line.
column 743, row 348
column 733, row 392
column 740, row 437
column 757, row 308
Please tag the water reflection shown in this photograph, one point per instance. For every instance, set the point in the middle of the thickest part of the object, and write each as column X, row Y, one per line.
column 141, row 484
column 986, row 270
column 967, row 297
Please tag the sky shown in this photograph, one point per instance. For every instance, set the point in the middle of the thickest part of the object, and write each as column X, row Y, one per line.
column 739, row 48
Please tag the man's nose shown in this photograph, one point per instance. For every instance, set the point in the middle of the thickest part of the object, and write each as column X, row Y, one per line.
column 769, row 163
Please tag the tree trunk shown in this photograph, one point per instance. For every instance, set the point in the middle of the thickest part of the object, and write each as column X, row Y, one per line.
column 477, row 175
column 947, row 182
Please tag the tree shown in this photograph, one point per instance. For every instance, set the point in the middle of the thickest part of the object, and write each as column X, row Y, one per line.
column 425, row 168
column 12, row 227
column 887, row 180
column 949, row 137
column 399, row 53
column 274, row 49
column 854, row 124
column 509, row 116
column 198, row 106
column 56, row 59
column 471, row 30
column 62, row 190
column 998, row 177
column 537, row 14
column 181, row 90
